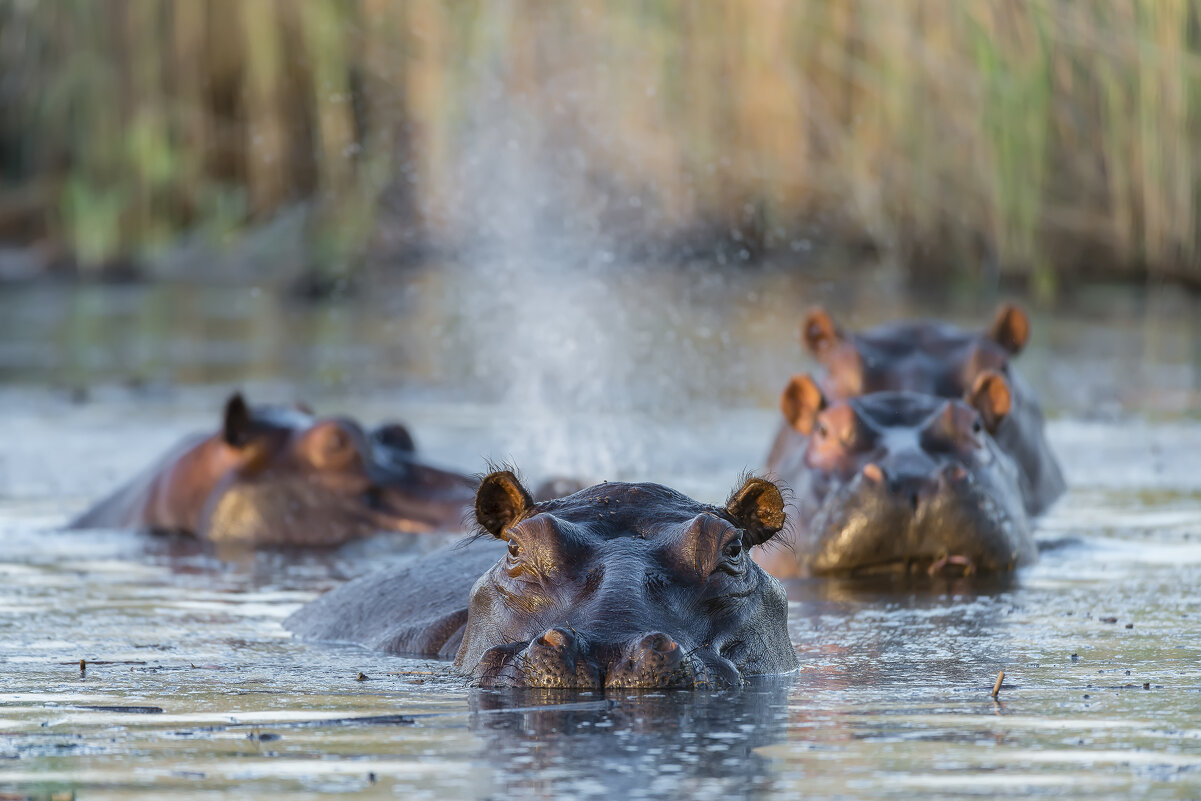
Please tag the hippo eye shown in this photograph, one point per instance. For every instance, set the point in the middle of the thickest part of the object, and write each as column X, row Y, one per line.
column 337, row 442
column 514, row 549
column 733, row 550
column 977, row 426
column 331, row 447
column 823, row 430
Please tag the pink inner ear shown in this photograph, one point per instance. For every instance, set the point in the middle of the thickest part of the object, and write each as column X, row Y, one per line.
column 818, row 331
column 999, row 400
column 990, row 397
column 1010, row 328
column 800, row 403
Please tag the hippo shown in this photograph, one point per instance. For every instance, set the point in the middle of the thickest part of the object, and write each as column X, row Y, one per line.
column 615, row 586
column 944, row 360
column 278, row 476
column 901, row 480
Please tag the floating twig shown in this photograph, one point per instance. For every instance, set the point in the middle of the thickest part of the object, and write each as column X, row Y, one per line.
column 996, row 688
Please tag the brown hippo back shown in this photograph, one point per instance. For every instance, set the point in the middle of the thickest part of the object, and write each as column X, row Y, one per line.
column 278, row 475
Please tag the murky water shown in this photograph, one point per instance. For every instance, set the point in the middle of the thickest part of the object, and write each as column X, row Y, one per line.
column 192, row 689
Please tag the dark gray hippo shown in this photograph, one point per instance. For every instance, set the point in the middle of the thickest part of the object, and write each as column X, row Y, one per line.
column 617, row 585
column 900, row 480
column 937, row 359
column 278, row 476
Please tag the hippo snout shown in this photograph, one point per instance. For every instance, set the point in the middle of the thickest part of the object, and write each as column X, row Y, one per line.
column 656, row 660
column 914, row 489
column 885, row 519
column 561, row 658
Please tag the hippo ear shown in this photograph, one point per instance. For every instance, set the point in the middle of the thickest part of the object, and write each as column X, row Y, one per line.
column 818, row 331
column 1010, row 328
column 396, row 436
column 800, row 402
column 990, row 397
column 500, row 500
column 236, row 429
column 758, row 508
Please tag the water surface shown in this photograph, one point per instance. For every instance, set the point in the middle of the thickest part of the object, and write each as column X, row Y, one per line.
column 192, row 689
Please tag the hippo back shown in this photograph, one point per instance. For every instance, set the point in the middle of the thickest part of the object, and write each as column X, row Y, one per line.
column 1022, row 435
column 416, row 608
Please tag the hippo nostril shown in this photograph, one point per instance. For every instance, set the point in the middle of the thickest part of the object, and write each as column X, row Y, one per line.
column 873, row 473
column 553, row 638
column 913, row 500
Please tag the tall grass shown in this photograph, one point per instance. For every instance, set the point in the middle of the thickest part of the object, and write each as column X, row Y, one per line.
column 1044, row 139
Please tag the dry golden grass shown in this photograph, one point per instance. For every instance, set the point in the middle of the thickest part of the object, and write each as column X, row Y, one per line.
column 1044, row 138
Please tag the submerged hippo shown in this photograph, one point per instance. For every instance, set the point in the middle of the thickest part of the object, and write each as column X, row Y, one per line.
column 943, row 360
column 900, row 480
column 276, row 475
column 617, row 585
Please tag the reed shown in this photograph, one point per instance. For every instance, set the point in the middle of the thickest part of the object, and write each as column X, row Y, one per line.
column 1042, row 139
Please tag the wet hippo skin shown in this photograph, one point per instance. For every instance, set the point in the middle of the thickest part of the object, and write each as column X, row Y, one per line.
column 277, row 476
column 900, row 480
column 937, row 359
column 617, row 585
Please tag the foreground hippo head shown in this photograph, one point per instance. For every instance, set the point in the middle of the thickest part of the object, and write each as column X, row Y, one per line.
column 625, row 585
column 902, row 480
column 944, row 360
column 277, row 475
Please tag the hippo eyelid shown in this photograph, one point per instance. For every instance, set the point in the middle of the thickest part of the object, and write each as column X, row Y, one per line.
column 732, row 555
column 734, row 548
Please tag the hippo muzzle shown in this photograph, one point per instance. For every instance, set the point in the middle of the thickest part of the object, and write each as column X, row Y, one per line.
column 561, row 657
column 950, row 517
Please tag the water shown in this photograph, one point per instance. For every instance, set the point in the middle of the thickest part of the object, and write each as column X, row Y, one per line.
column 193, row 690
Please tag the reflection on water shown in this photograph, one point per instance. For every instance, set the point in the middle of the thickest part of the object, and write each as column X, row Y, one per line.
column 632, row 745
column 1100, row 640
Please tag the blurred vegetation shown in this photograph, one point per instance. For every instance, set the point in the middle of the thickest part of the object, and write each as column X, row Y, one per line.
column 1043, row 139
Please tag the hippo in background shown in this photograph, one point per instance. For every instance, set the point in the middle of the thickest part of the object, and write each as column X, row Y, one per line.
column 943, row 360
column 618, row 585
column 278, row 476
column 900, row 481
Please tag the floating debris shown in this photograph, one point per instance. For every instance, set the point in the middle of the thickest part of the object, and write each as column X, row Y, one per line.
column 133, row 710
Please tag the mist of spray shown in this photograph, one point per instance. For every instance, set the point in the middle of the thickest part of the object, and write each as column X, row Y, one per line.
column 538, row 297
